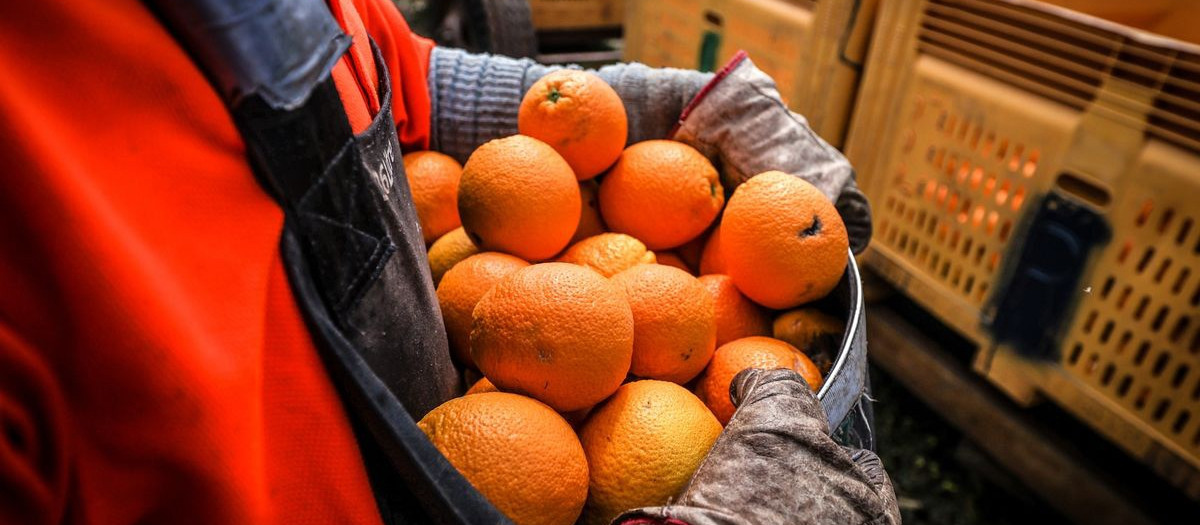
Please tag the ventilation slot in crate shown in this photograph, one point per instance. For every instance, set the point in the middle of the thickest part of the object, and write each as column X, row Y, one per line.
column 1137, row 336
column 1049, row 57
column 955, row 197
column 1176, row 114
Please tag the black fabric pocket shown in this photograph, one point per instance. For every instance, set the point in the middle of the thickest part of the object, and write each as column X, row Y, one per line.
column 345, row 235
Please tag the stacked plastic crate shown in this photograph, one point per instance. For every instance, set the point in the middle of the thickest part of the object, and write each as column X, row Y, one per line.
column 1036, row 181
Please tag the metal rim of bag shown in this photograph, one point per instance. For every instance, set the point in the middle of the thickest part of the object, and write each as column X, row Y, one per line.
column 845, row 386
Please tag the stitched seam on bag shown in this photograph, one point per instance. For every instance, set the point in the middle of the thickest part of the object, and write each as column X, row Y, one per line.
column 367, row 273
column 333, row 163
column 369, row 269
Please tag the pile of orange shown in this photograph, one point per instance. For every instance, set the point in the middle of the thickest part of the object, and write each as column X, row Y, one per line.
column 566, row 266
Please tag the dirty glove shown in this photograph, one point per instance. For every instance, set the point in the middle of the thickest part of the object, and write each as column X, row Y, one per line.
column 740, row 121
column 775, row 463
column 735, row 118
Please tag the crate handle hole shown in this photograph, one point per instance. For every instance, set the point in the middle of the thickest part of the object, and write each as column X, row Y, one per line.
column 1084, row 190
column 713, row 18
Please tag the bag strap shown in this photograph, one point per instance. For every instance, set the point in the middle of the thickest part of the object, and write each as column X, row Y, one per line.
column 271, row 62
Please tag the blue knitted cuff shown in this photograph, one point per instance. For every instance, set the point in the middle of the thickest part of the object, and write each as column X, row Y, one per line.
column 475, row 98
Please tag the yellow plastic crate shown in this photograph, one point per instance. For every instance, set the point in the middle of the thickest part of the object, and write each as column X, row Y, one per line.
column 812, row 48
column 973, row 112
column 576, row 14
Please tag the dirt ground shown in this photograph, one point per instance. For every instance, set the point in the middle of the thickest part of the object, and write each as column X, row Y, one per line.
column 940, row 478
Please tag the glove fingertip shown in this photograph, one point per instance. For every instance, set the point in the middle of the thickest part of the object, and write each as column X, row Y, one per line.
column 746, row 382
column 855, row 210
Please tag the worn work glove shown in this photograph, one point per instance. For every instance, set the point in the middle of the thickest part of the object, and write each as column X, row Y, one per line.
column 736, row 118
column 775, row 463
column 740, row 122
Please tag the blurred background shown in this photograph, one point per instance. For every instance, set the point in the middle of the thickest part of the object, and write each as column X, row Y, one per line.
column 1033, row 284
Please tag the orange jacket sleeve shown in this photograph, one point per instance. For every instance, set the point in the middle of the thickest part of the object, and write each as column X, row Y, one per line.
column 407, row 58
column 154, row 366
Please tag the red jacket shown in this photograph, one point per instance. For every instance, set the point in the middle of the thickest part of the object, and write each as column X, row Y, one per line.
column 153, row 364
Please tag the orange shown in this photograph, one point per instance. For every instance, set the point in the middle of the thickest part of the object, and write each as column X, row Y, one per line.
column 737, row 316
column 690, row 251
column 578, row 115
column 447, row 251
column 557, row 332
column 814, row 332
column 749, row 352
column 492, row 438
column 803, row 326
column 577, row 417
column 519, row 197
column 460, row 290
column 674, row 323
column 608, row 253
column 574, row 417
column 670, row 259
column 590, row 222
column 482, row 386
column 783, row 242
column 662, row 192
column 433, row 180
column 711, row 260
column 643, row 445
column 471, row 376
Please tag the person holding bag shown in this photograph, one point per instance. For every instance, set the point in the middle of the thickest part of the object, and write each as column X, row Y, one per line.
column 216, row 306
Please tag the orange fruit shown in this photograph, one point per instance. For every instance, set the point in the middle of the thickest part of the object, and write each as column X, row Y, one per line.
column 749, row 352
column 674, row 323
column 643, row 445
column 460, row 290
column 447, row 251
column 470, row 376
column 590, row 222
column 608, row 253
column 803, row 326
column 493, row 439
column 711, row 260
column 557, row 332
column 481, row 386
column 690, row 251
column 578, row 115
column 736, row 316
column 577, row 417
column 783, row 242
column 814, row 332
column 670, row 259
column 519, row 197
column 433, row 180
column 662, row 192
